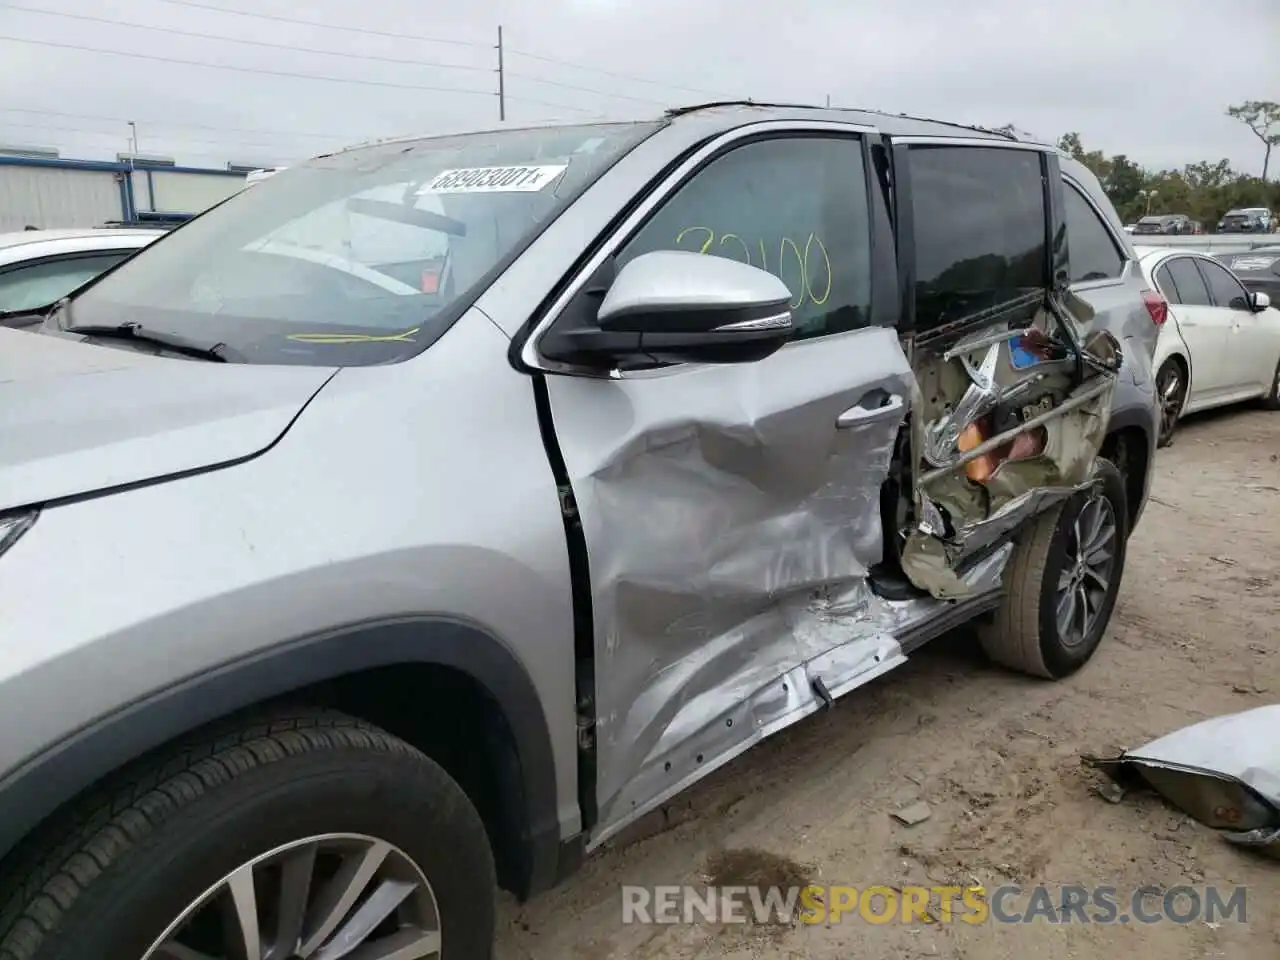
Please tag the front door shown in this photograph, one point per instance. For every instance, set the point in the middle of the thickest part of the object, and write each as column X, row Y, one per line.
column 1248, row 360
column 731, row 512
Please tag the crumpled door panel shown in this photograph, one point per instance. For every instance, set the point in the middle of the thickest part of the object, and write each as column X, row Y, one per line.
column 1009, row 420
column 730, row 523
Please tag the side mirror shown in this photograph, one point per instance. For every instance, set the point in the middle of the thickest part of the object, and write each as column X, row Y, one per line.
column 1259, row 301
column 673, row 306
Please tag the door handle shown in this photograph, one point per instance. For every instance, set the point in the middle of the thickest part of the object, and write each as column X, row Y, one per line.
column 876, row 405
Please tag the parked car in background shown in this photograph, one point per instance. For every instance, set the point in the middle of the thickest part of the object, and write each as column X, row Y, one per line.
column 1164, row 223
column 40, row 267
column 330, row 600
column 1221, row 343
column 1247, row 220
column 1258, row 269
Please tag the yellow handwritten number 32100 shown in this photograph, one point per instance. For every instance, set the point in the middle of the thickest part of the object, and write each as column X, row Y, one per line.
column 811, row 260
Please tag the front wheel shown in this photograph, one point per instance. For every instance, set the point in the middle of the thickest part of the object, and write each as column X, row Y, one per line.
column 1171, row 394
column 301, row 838
column 1271, row 401
column 1062, row 582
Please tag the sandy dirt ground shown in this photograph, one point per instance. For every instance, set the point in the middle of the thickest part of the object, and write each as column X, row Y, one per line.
column 996, row 758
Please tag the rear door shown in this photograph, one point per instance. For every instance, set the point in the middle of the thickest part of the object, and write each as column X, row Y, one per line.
column 1204, row 329
column 731, row 513
column 1247, row 348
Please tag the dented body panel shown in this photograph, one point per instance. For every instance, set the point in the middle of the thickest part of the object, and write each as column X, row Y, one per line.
column 677, row 558
column 730, row 522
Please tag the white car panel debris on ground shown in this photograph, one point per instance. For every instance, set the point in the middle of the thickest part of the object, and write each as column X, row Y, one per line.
column 997, row 759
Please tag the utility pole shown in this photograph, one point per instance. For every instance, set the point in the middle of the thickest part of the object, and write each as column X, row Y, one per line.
column 133, row 141
column 502, row 81
column 828, row 101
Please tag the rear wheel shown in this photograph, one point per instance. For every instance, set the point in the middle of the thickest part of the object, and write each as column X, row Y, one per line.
column 307, row 837
column 1062, row 582
column 1171, row 394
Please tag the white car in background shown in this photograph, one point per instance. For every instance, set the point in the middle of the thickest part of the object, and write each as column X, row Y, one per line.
column 40, row 267
column 1220, row 343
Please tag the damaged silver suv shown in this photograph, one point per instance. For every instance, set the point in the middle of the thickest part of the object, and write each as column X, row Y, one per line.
column 418, row 519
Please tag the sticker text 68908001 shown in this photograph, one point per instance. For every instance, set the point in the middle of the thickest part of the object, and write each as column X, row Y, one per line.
column 525, row 179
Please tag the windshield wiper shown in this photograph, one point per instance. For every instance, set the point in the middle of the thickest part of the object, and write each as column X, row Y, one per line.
column 217, row 352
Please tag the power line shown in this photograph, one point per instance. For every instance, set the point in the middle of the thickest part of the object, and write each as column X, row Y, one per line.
column 610, row 73
column 285, row 73
column 331, row 53
column 194, row 4
column 197, row 5
column 174, row 123
column 252, row 43
column 177, row 138
column 570, row 86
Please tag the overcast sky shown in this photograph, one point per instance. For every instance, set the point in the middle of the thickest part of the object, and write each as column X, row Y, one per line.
column 1126, row 75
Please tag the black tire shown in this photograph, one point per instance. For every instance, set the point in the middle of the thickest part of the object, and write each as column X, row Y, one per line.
column 1272, row 400
column 107, row 880
column 1024, row 634
column 1171, row 396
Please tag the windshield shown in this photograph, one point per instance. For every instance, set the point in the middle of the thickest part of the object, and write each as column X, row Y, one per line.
column 360, row 257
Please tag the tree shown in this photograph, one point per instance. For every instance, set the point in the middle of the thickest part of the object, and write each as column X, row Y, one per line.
column 1095, row 160
column 1207, row 176
column 1124, row 181
column 1260, row 116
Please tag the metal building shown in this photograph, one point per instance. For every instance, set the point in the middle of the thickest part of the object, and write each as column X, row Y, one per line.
column 40, row 190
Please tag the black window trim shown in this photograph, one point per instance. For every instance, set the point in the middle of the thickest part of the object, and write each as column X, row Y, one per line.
column 1163, row 264
column 902, row 146
column 1193, row 257
column 1199, row 259
column 69, row 256
column 1070, row 182
column 662, row 188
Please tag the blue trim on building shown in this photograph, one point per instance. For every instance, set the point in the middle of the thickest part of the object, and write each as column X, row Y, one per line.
column 129, row 212
column 100, row 165
column 112, row 165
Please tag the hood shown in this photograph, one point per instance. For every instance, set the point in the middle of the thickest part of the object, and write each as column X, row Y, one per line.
column 76, row 418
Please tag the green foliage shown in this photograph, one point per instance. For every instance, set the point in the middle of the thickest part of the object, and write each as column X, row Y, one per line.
column 1204, row 191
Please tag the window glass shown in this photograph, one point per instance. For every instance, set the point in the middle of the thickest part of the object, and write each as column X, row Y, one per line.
column 979, row 220
column 796, row 207
column 44, row 284
column 1166, row 285
column 1191, row 288
column 1093, row 252
column 1223, row 287
column 362, row 256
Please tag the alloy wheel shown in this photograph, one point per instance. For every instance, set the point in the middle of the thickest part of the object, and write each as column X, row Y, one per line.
column 321, row 898
column 1087, row 569
column 1170, row 390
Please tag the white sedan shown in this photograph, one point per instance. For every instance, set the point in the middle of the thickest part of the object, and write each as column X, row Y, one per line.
column 1220, row 343
column 40, row 267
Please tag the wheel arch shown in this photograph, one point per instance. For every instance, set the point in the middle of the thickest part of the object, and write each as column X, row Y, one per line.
column 1130, row 445
column 401, row 674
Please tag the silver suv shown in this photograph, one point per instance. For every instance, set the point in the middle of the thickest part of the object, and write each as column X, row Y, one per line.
column 418, row 519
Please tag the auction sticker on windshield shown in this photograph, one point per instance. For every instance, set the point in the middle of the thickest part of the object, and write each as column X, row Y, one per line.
column 527, row 179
